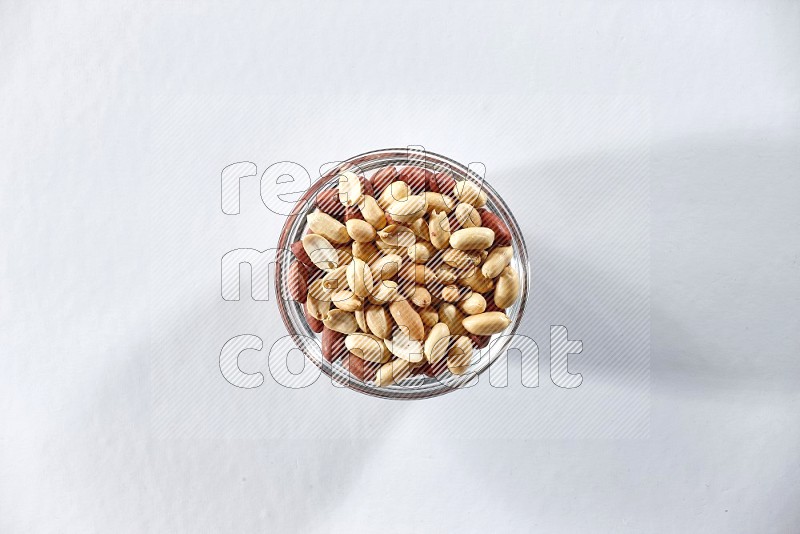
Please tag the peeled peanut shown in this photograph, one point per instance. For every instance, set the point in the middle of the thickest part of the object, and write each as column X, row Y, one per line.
column 436, row 343
column 438, row 202
column 420, row 274
column 474, row 304
column 459, row 259
column 346, row 300
column 467, row 216
column 320, row 251
column 318, row 302
column 420, row 229
column 359, row 278
column 367, row 347
column 392, row 372
column 405, row 347
column 323, row 224
column 476, row 238
column 421, row 297
column 445, row 274
column 360, row 231
column 405, row 316
column 477, row 282
column 384, row 291
column 350, row 192
column 361, row 319
column 470, row 193
column 452, row 317
column 421, row 252
column 372, row 213
column 396, row 235
column 344, row 255
column 386, row 267
column 408, row 209
column 340, row 321
column 451, row 293
column 459, row 355
column 496, row 261
column 439, row 228
column 378, row 321
column 365, row 251
column 487, row 323
column 335, row 279
column 506, row 291
column 429, row 316
column 395, row 191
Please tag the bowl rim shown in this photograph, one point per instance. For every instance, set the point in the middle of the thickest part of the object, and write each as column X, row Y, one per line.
column 409, row 156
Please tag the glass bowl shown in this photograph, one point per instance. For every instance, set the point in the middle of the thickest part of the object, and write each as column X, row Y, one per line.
column 415, row 386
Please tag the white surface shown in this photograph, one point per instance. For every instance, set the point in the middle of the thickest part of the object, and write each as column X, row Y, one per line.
column 101, row 128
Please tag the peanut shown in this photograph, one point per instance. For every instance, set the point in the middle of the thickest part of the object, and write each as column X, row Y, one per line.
column 496, row 261
column 350, row 191
column 323, row 224
column 459, row 355
column 408, row 209
column 470, row 193
column 359, row 277
column 340, row 321
column 487, row 323
column 320, row 251
column 436, row 343
column 476, row 238
column 360, row 231
column 507, row 289
column 367, row 347
column 405, row 316
column 439, row 228
column 392, row 372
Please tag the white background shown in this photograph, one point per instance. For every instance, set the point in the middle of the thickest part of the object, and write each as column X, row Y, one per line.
column 110, row 113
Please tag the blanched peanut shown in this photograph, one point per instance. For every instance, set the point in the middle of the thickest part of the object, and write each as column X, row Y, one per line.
column 487, row 323
column 372, row 213
column 469, row 192
column 507, row 289
column 408, row 209
column 379, row 321
column 467, row 216
column 350, row 192
column 421, row 252
column 340, row 321
column 405, row 316
column 474, row 304
column 323, row 224
column 436, row 343
column 496, row 261
column 477, row 238
column 386, row 267
column 383, row 292
column 360, row 231
column 367, row 347
column 439, row 228
column 320, row 251
column 359, row 278
column 421, row 297
column 396, row 191
column 394, row 371
column 404, row 347
column 459, row 355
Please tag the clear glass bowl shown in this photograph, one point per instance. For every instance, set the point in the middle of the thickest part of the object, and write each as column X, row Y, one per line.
column 415, row 386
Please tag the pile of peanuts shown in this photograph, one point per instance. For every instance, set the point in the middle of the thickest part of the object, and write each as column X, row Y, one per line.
column 404, row 273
